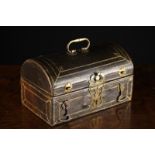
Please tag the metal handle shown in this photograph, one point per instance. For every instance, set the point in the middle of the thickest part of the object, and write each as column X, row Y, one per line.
column 74, row 51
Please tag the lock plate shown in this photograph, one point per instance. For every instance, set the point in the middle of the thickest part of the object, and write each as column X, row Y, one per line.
column 95, row 89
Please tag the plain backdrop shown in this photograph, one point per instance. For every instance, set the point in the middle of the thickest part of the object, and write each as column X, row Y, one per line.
column 19, row 43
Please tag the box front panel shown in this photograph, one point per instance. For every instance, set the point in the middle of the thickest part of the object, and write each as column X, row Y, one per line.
column 79, row 103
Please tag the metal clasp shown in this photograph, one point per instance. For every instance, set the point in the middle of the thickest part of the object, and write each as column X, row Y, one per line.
column 95, row 89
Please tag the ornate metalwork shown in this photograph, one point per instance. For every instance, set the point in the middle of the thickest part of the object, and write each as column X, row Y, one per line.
column 68, row 87
column 95, row 90
column 122, row 71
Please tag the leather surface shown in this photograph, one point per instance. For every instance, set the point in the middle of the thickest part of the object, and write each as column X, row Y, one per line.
column 112, row 83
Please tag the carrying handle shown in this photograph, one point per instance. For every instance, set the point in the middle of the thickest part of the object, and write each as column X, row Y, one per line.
column 74, row 51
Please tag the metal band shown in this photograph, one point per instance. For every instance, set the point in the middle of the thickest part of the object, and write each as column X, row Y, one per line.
column 74, row 51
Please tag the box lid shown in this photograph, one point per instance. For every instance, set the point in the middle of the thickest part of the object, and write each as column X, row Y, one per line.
column 59, row 74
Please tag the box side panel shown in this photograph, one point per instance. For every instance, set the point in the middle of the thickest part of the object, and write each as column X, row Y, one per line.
column 37, row 89
column 36, row 101
column 37, row 74
column 86, row 101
